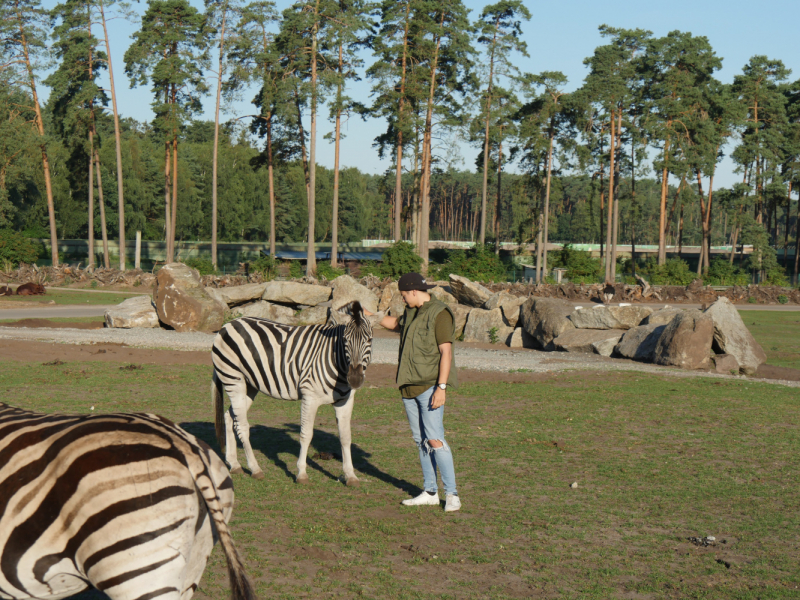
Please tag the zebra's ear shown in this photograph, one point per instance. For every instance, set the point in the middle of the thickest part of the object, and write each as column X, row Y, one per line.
column 339, row 317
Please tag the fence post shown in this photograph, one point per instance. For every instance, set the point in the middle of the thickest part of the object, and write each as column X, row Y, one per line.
column 138, row 255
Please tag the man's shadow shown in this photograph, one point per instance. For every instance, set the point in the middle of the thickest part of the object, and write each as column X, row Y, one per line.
column 276, row 441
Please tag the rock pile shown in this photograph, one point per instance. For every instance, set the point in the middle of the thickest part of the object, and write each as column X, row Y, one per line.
column 712, row 339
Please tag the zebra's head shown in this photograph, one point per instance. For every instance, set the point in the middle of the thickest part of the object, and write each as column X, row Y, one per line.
column 357, row 340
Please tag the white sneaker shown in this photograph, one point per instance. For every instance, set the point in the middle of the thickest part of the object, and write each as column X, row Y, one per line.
column 453, row 503
column 424, row 499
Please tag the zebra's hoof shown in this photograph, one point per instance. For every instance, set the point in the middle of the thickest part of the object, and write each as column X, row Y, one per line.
column 353, row 482
column 302, row 478
column 257, row 475
column 237, row 471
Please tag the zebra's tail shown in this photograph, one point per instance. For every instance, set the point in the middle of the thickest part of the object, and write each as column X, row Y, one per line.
column 218, row 401
column 241, row 586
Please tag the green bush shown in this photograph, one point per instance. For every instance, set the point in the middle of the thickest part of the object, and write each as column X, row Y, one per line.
column 752, row 300
column 674, row 272
column 266, row 265
column 324, row 269
column 295, row 270
column 722, row 272
column 400, row 258
column 479, row 263
column 203, row 265
column 370, row 267
column 16, row 248
column 782, row 299
column 580, row 265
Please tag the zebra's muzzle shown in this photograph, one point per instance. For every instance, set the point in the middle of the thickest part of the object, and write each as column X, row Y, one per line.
column 355, row 376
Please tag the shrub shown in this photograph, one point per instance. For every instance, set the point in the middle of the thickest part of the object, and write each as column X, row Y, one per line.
column 479, row 263
column 782, row 299
column 370, row 267
column 295, row 270
column 16, row 248
column 266, row 265
column 722, row 272
column 400, row 258
column 493, row 338
column 674, row 272
column 203, row 265
column 324, row 269
column 752, row 300
column 581, row 266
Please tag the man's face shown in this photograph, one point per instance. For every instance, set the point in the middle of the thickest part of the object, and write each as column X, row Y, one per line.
column 411, row 298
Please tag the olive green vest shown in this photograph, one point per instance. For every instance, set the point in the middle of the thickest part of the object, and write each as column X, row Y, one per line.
column 418, row 360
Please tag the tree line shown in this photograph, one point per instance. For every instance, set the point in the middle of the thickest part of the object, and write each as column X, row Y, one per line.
column 630, row 155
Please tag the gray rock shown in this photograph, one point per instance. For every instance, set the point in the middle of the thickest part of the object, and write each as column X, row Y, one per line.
column 314, row 315
column 606, row 346
column 686, row 341
column 725, row 364
column 468, row 292
column 238, row 294
column 462, row 314
column 731, row 336
column 639, row 343
column 662, row 316
column 508, row 303
column 444, row 296
column 133, row 312
column 584, row 340
column 545, row 319
column 346, row 289
column 182, row 302
column 266, row 310
column 479, row 323
column 293, row 292
column 610, row 317
column 522, row 339
column 391, row 301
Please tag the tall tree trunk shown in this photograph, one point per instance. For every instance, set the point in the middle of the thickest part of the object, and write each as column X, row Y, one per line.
column 615, row 227
column 398, row 184
column 634, row 215
column 103, row 230
column 167, row 202
column 610, row 218
column 539, row 247
column 51, row 213
column 120, row 194
column 786, row 229
column 311, row 257
column 546, row 222
column 335, row 217
column 90, row 259
column 662, row 216
column 270, row 169
column 489, row 90
column 796, row 240
column 216, row 140
column 498, row 204
column 174, row 221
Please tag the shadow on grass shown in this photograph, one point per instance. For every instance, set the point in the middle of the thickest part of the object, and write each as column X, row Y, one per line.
column 273, row 442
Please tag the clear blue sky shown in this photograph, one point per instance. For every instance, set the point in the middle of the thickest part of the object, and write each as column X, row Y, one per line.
column 559, row 36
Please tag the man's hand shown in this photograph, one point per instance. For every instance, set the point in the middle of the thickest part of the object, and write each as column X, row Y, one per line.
column 438, row 399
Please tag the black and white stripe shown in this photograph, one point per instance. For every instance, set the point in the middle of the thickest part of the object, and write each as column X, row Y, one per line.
column 128, row 503
column 317, row 364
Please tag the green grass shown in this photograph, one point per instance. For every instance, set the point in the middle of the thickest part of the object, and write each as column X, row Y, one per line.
column 657, row 460
column 778, row 333
column 68, row 298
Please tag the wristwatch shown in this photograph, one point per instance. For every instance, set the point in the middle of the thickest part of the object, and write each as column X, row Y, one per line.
column 441, row 386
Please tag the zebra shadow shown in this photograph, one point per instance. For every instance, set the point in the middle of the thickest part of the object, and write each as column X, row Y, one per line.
column 277, row 442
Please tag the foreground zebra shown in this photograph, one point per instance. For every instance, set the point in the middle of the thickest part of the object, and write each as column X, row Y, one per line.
column 129, row 503
column 317, row 364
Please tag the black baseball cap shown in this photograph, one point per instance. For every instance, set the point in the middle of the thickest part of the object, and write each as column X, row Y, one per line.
column 413, row 281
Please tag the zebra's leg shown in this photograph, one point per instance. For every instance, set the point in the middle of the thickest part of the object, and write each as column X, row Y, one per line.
column 241, row 396
column 230, row 445
column 344, row 410
column 308, row 414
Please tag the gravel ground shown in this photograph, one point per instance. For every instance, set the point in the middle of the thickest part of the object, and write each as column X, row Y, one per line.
column 384, row 351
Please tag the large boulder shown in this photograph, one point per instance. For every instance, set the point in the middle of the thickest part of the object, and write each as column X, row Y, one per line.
column 133, row 312
column 731, row 336
column 662, row 316
column 391, row 301
column 238, row 294
column 468, row 292
column 293, row 292
column 725, row 364
column 609, row 317
column 266, row 310
column 481, row 322
column 508, row 303
column 588, row 341
column 444, row 296
column 462, row 315
column 313, row 315
column 639, row 343
column 346, row 289
column 182, row 303
column 545, row 319
column 686, row 341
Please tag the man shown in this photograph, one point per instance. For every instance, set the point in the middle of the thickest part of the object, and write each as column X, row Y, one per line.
column 426, row 368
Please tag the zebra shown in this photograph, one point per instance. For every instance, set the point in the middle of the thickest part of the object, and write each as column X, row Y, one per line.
column 316, row 364
column 128, row 503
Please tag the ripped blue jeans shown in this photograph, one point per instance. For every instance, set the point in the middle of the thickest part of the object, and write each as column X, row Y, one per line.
column 428, row 424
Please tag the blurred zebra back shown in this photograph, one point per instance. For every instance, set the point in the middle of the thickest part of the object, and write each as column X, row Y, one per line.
column 129, row 503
